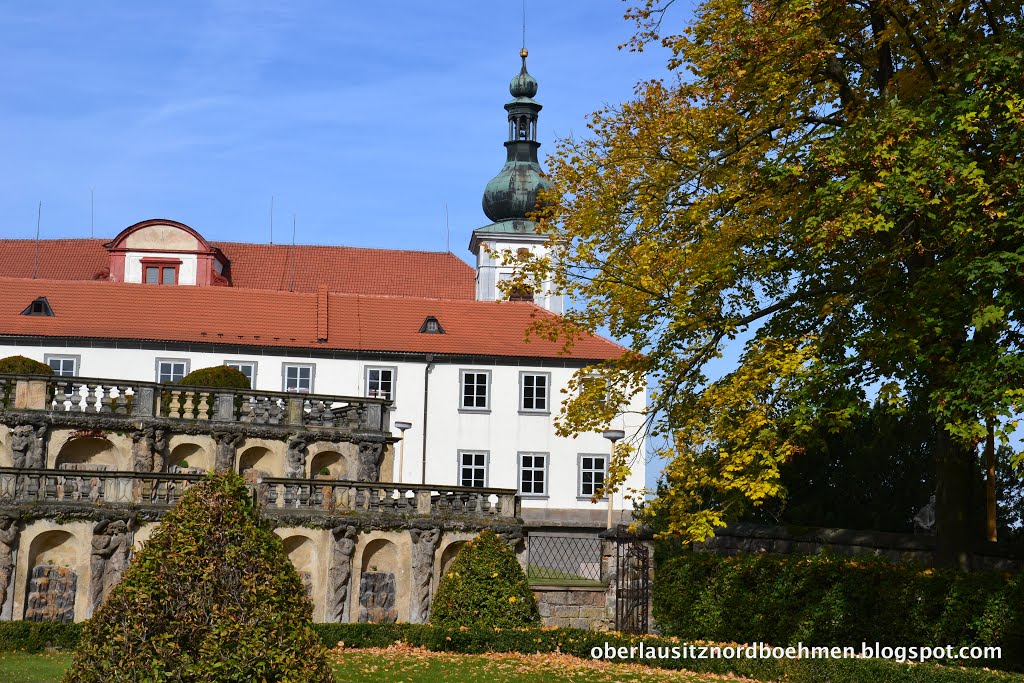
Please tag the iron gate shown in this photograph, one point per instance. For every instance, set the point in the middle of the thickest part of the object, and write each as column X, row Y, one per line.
column 632, row 583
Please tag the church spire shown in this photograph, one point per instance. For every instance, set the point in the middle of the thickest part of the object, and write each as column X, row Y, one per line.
column 512, row 194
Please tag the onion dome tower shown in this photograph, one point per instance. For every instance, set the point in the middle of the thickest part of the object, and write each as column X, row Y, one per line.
column 513, row 194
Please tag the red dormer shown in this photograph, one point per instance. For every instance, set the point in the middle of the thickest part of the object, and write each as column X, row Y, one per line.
column 165, row 252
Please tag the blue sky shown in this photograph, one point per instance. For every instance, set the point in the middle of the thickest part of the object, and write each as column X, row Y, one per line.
column 363, row 119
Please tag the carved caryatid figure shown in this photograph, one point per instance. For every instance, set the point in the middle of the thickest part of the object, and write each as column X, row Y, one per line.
column 224, row 451
column 424, row 543
column 111, row 545
column 295, row 458
column 369, row 458
column 148, row 449
column 341, row 571
column 27, row 446
column 8, row 540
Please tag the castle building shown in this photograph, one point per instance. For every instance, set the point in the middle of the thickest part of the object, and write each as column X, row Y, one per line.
column 436, row 338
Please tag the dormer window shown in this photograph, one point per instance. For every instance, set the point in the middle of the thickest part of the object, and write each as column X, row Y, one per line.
column 431, row 326
column 160, row 271
column 39, row 307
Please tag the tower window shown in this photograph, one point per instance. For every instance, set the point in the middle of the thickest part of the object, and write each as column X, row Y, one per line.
column 39, row 307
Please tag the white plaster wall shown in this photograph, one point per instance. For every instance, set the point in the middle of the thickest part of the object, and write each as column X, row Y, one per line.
column 490, row 271
column 503, row 431
column 186, row 272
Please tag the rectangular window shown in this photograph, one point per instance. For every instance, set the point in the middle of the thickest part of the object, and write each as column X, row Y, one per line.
column 533, row 474
column 152, row 275
column 170, row 370
column 298, row 378
column 533, row 391
column 475, row 389
column 472, row 468
column 247, row 368
column 64, row 366
column 160, row 271
column 380, row 383
column 170, row 276
column 592, row 472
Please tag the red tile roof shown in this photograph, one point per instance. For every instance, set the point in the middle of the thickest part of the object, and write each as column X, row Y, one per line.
column 228, row 315
column 355, row 270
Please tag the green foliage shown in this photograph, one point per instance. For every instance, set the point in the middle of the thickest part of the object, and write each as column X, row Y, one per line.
column 20, row 365
column 211, row 596
column 833, row 187
column 30, row 636
column 221, row 376
column 484, row 586
column 829, row 601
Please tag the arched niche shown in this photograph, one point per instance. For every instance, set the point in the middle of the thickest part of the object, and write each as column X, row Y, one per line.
column 448, row 555
column 194, row 454
column 89, row 453
column 335, row 462
column 378, row 590
column 303, row 554
column 260, row 458
column 6, row 455
column 54, row 577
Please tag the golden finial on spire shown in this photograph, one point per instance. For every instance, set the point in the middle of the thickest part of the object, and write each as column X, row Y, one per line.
column 524, row 53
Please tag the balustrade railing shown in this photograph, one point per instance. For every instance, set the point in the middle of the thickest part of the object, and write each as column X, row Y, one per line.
column 327, row 496
column 176, row 402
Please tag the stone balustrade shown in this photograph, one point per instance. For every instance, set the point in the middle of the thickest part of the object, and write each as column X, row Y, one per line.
column 324, row 497
column 54, row 394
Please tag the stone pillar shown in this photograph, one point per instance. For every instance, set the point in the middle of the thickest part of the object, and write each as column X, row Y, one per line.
column 8, row 542
column 369, row 459
column 27, row 446
column 424, row 544
column 295, row 458
column 224, row 451
column 341, row 572
column 111, row 544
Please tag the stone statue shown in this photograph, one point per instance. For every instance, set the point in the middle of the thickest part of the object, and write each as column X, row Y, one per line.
column 369, row 459
column 8, row 540
column 424, row 543
column 341, row 572
column 110, row 547
column 924, row 520
column 295, row 458
column 514, row 538
column 27, row 446
column 224, row 452
column 147, row 449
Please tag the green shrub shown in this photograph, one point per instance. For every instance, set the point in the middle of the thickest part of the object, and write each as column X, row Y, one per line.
column 30, row 636
column 829, row 601
column 211, row 596
column 221, row 376
column 484, row 586
column 20, row 365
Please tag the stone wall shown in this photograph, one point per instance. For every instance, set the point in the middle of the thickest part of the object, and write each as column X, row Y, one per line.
column 576, row 607
column 737, row 539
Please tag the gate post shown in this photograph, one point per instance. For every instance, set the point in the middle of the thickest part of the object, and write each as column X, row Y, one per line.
column 630, row 560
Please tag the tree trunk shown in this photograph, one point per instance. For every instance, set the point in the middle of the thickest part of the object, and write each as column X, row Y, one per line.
column 990, row 481
column 955, row 515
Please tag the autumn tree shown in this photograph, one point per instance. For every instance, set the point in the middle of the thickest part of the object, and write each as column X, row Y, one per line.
column 835, row 186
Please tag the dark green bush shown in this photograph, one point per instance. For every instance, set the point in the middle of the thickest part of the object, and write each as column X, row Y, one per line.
column 19, row 365
column 484, row 586
column 29, row 636
column 212, row 596
column 830, row 601
column 221, row 376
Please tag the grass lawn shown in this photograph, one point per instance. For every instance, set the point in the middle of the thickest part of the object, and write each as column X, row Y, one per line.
column 407, row 665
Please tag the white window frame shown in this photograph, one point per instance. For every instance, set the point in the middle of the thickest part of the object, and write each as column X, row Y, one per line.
column 580, row 493
column 76, row 361
column 486, row 467
column 533, row 468
column 546, row 410
column 187, row 363
column 255, row 368
column 284, row 377
column 394, row 380
column 486, row 408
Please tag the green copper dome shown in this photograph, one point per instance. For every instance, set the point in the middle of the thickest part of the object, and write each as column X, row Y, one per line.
column 512, row 194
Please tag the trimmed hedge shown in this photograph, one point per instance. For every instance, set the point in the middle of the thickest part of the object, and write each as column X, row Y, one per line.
column 485, row 586
column 222, row 376
column 19, row 635
column 20, row 365
column 830, row 601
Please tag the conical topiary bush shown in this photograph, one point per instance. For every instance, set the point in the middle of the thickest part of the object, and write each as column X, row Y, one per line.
column 211, row 597
column 484, row 586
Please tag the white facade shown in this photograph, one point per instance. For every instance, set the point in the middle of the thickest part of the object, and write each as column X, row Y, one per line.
column 490, row 271
column 502, row 431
